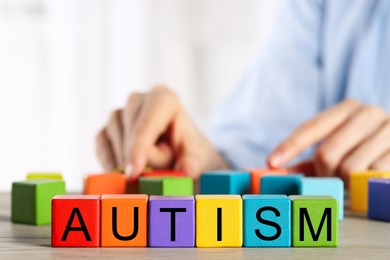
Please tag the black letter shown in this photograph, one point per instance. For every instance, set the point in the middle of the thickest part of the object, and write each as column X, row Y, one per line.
column 115, row 228
column 83, row 227
column 303, row 214
column 173, row 219
column 219, row 224
column 267, row 222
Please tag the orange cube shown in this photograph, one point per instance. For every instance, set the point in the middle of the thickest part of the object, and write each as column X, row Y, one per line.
column 256, row 175
column 106, row 183
column 124, row 220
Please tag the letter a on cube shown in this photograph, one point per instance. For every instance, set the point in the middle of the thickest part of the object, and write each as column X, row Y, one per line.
column 124, row 220
column 314, row 221
column 75, row 221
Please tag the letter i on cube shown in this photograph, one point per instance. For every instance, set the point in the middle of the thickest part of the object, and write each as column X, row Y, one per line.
column 219, row 221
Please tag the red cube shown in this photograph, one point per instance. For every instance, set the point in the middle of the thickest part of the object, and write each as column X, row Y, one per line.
column 75, row 221
column 163, row 173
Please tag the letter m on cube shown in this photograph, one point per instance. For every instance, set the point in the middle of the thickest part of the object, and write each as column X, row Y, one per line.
column 314, row 221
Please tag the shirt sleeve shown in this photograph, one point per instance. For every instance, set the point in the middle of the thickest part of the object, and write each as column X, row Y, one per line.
column 280, row 91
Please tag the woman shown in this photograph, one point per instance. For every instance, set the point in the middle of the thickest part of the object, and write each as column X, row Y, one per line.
column 316, row 100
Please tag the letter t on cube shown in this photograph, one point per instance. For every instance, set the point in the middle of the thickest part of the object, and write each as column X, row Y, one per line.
column 171, row 221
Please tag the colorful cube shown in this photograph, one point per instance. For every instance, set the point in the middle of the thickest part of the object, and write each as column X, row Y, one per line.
column 133, row 185
column 172, row 221
column 163, row 173
column 75, row 221
column 358, row 188
column 257, row 174
column 225, row 182
column 105, row 183
column 379, row 199
column 44, row 176
column 267, row 221
column 219, row 221
column 314, row 221
column 31, row 200
column 281, row 185
column 325, row 186
column 168, row 186
column 124, row 220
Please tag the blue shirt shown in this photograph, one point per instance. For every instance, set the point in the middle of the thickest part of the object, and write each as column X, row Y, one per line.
column 320, row 53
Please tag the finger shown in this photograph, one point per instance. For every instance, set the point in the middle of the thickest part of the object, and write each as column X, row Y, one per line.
column 368, row 152
column 189, row 165
column 383, row 163
column 159, row 109
column 129, row 116
column 161, row 156
column 311, row 132
column 346, row 138
column 115, row 134
column 104, row 151
column 305, row 167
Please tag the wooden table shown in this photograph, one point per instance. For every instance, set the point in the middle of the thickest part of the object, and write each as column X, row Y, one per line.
column 359, row 238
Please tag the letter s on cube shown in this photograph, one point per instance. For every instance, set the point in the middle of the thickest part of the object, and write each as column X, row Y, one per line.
column 267, row 221
column 75, row 221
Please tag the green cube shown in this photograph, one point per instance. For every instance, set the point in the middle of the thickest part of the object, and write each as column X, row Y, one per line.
column 31, row 200
column 168, row 186
column 314, row 221
column 44, row 176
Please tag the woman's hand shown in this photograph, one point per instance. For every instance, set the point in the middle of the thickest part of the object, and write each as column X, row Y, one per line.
column 353, row 136
column 154, row 130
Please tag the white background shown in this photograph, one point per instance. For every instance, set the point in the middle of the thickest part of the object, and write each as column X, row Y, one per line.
column 65, row 64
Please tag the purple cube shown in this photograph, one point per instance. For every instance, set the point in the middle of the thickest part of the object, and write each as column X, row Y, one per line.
column 379, row 199
column 171, row 221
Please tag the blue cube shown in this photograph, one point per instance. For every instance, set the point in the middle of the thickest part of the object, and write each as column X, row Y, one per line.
column 281, row 185
column 379, row 199
column 267, row 221
column 325, row 186
column 225, row 182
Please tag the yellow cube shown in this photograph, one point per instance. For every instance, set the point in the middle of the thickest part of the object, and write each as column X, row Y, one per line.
column 44, row 176
column 219, row 221
column 358, row 188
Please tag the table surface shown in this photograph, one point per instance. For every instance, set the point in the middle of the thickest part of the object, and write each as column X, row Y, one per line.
column 358, row 238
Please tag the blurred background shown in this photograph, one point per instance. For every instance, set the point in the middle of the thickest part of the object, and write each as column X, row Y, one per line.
column 65, row 64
